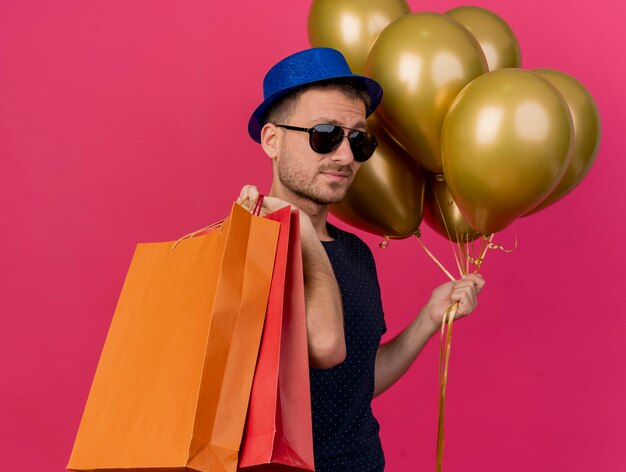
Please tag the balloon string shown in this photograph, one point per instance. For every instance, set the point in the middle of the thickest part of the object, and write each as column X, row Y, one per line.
column 467, row 246
column 469, row 252
column 435, row 260
column 444, row 359
column 502, row 248
column 445, row 225
column 486, row 244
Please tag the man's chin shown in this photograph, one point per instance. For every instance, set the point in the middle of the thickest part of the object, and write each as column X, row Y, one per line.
column 336, row 195
column 337, row 198
column 330, row 195
column 329, row 198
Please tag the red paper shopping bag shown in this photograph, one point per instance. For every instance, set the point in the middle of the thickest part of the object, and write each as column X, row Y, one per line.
column 278, row 433
column 172, row 386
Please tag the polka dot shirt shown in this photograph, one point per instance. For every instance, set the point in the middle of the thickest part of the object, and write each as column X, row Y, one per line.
column 345, row 432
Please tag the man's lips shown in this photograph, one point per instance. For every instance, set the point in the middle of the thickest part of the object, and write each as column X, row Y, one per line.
column 337, row 173
column 338, row 176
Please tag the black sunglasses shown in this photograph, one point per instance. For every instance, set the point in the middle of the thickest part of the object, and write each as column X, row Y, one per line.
column 326, row 138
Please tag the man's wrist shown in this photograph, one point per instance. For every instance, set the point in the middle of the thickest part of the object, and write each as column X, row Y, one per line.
column 426, row 323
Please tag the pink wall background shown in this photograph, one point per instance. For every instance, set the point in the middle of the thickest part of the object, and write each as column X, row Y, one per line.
column 126, row 121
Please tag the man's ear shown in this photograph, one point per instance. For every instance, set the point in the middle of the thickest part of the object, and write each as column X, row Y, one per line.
column 270, row 140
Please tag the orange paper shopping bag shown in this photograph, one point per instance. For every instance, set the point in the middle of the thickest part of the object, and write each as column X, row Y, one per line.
column 278, row 435
column 172, row 386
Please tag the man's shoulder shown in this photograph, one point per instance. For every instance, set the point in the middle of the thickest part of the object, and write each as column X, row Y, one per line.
column 342, row 234
column 349, row 239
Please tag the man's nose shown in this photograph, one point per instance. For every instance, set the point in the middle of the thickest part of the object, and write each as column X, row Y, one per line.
column 343, row 152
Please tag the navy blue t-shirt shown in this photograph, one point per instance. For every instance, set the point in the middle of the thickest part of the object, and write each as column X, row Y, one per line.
column 345, row 432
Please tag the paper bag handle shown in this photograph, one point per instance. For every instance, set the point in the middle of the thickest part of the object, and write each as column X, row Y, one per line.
column 256, row 210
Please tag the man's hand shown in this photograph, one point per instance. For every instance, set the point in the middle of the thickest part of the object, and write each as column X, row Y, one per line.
column 464, row 292
column 394, row 357
column 250, row 194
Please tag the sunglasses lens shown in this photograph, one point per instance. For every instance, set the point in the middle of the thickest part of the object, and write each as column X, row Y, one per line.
column 362, row 144
column 325, row 138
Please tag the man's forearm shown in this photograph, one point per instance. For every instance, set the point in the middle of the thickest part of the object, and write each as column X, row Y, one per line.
column 395, row 357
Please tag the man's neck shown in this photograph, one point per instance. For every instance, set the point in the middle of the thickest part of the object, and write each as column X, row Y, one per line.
column 316, row 213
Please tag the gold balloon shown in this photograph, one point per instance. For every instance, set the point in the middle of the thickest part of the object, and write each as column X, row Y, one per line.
column 387, row 194
column 495, row 37
column 442, row 214
column 586, row 122
column 505, row 145
column 422, row 60
column 351, row 26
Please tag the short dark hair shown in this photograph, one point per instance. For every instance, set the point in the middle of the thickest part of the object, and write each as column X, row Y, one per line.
column 283, row 108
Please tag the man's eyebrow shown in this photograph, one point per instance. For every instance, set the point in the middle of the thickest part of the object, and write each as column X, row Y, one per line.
column 359, row 125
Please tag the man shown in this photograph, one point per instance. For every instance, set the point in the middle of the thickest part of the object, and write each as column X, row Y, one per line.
column 311, row 125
